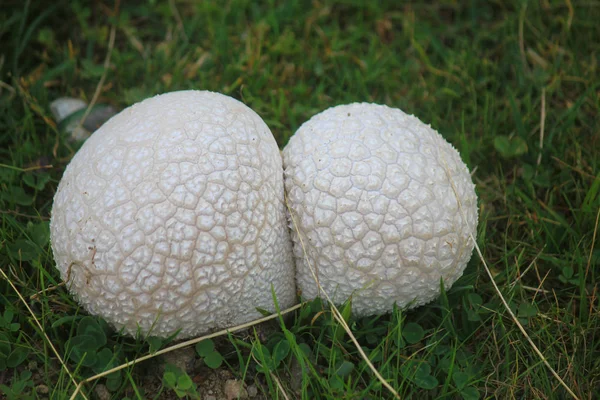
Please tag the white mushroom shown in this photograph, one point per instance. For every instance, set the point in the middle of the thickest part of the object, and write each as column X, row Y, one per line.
column 374, row 212
column 171, row 217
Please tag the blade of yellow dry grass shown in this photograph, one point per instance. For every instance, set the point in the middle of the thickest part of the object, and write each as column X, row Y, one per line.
column 338, row 315
column 497, row 289
column 182, row 345
column 37, row 322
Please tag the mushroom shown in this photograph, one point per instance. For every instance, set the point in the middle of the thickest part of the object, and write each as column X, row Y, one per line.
column 374, row 213
column 171, row 217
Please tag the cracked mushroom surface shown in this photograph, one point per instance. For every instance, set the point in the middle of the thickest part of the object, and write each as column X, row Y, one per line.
column 373, row 210
column 172, row 217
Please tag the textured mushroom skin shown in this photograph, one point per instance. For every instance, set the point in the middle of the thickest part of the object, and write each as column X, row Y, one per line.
column 172, row 216
column 373, row 210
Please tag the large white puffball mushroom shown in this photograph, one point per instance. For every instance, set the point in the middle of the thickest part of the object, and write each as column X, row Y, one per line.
column 373, row 211
column 172, row 217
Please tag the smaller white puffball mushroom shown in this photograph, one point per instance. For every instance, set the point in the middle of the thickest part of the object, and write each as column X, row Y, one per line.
column 172, row 217
column 373, row 210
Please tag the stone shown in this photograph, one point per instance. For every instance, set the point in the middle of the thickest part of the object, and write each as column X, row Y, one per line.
column 234, row 389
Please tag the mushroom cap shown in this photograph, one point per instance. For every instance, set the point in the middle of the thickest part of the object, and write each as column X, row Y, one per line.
column 373, row 210
column 172, row 217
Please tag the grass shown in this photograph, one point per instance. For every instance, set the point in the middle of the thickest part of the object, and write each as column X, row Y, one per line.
column 513, row 85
